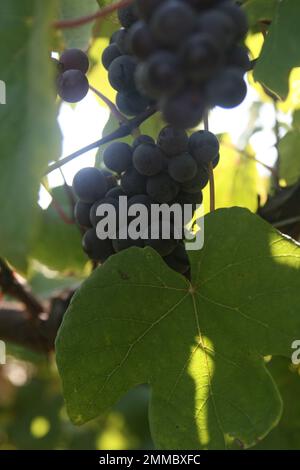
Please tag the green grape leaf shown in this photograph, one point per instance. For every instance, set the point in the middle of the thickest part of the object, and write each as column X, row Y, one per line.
column 199, row 345
column 29, row 134
column 280, row 51
column 289, row 168
column 70, row 9
column 286, row 436
column 259, row 10
column 58, row 244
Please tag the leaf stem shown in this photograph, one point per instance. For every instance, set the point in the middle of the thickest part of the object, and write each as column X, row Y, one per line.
column 112, row 107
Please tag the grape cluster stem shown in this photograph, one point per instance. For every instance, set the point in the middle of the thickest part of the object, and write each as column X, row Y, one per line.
column 124, row 130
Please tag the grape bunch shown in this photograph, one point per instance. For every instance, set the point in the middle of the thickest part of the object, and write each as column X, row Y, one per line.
column 185, row 55
column 172, row 170
column 121, row 65
column 72, row 83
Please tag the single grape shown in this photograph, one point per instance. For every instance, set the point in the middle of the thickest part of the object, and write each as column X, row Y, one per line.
column 118, row 157
column 132, row 182
column 90, row 184
column 127, row 16
column 172, row 22
column 197, row 183
column 114, row 36
column 115, row 193
column 141, row 41
column 109, row 55
column 74, row 59
column 160, row 74
column 204, row 146
column 184, row 110
column 238, row 17
column 142, row 139
column 96, row 249
column 172, row 141
column 82, row 213
column 238, row 57
column 182, row 167
column 121, row 73
column 72, row 86
column 148, row 159
column 94, row 218
column 146, row 8
column 131, row 103
column 162, row 188
column 123, row 42
column 228, row 89
column 201, row 56
column 219, row 26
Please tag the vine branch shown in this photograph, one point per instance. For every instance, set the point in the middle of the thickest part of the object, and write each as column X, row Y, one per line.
column 76, row 22
column 124, row 130
column 11, row 286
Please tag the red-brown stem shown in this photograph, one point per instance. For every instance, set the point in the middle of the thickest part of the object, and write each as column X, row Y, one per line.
column 76, row 22
column 112, row 107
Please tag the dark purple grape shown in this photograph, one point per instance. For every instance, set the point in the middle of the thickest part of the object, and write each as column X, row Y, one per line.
column 72, row 86
column 96, row 249
column 172, row 141
column 148, row 159
column 109, row 55
column 172, row 22
column 118, row 157
column 90, row 184
column 74, row 59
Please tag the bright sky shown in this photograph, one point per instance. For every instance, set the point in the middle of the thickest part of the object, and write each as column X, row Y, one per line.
column 84, row 124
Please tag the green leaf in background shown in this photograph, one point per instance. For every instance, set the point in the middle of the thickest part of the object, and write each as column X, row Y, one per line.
column 286, row 436
column 71, row 9
column 259, row 10
column 236, row 179
column 58, row 245
column 29, row 135
column 199, row 345
column 280, row 53
column 289, row 148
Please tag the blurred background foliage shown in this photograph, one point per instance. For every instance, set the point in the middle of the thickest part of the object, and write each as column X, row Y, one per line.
column 32, row 412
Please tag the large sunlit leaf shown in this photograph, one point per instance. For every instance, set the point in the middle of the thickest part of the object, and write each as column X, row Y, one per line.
column 29, row 134
column 280, row 52
column 199, row 345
